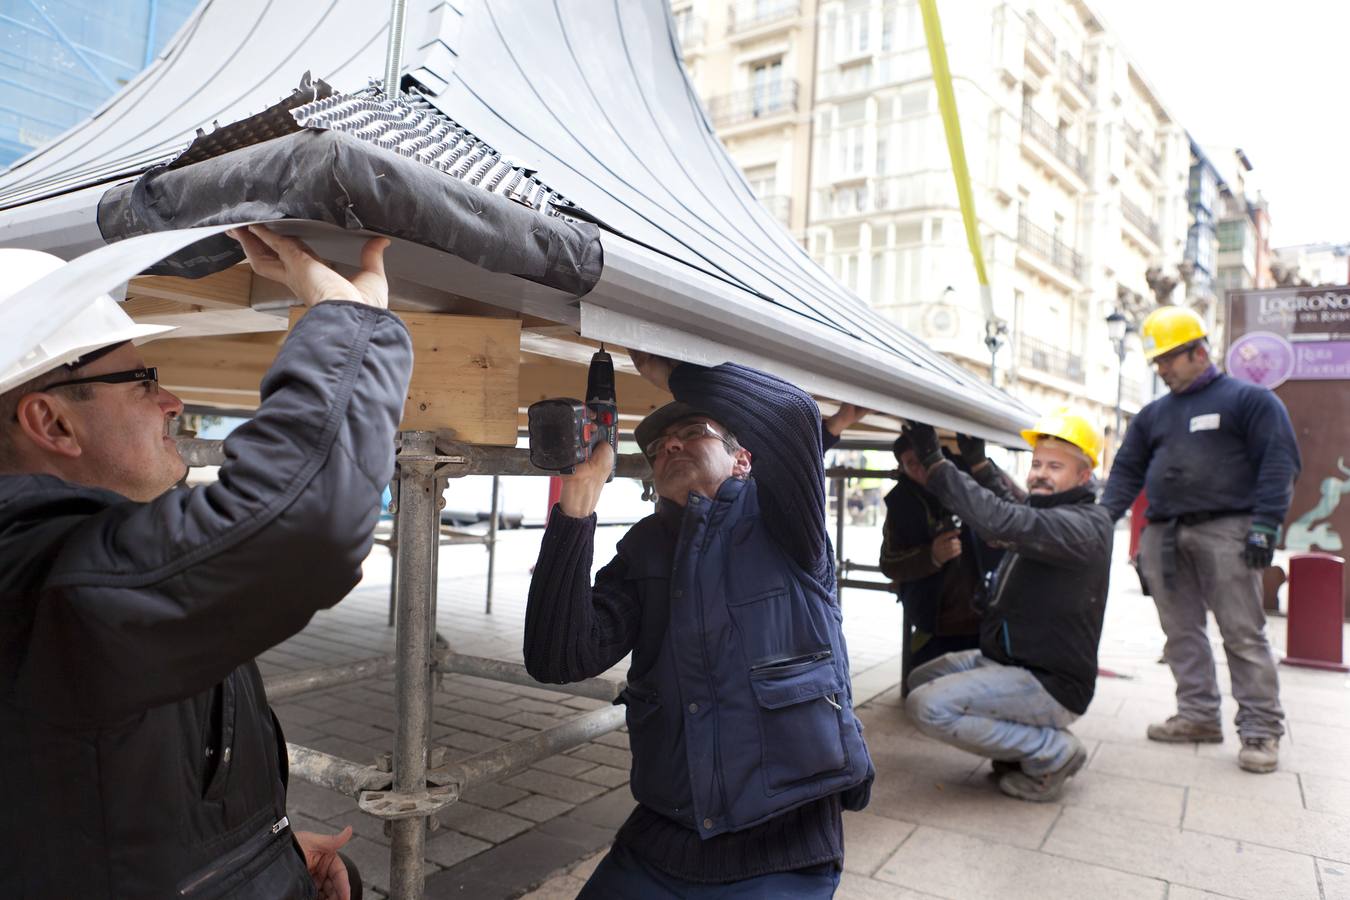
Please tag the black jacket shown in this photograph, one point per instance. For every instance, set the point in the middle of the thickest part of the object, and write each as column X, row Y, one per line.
column 939, row 600
column 1049, row 594
column 138, row 756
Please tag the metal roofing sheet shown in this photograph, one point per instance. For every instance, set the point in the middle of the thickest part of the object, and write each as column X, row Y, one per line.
column 591, row 93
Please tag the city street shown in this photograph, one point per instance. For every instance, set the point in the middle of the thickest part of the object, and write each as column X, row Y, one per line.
column 1141, row 820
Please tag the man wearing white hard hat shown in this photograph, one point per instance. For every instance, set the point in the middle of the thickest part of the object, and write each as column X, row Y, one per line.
column 1035, row 672
column 138, row 755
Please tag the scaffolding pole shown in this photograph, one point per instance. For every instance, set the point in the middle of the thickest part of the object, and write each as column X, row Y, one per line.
column 418, row 541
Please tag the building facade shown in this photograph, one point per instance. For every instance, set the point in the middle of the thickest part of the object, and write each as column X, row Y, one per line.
column 1080, row 175
column 62, row 60
column 1314, row 265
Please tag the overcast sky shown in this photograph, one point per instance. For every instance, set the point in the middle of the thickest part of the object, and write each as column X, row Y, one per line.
column 1270, row 77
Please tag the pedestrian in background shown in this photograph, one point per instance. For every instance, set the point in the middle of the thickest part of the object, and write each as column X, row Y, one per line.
column 1218, row 458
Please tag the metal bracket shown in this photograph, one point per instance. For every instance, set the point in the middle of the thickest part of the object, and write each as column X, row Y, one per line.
column 411, row 805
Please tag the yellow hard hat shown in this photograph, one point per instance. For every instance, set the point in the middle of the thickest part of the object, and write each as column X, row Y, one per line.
column 1070, row 426
column 1169, row 327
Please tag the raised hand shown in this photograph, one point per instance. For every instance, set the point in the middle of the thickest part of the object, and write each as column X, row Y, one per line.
column 290, row 261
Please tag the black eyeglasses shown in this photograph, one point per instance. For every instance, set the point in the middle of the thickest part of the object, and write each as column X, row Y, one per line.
column 149, row 374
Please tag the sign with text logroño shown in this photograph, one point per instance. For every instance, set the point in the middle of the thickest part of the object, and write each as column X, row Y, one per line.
column 1289, row 334
column 1296, row 341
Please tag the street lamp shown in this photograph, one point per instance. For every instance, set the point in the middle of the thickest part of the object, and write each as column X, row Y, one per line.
column 1117, row 327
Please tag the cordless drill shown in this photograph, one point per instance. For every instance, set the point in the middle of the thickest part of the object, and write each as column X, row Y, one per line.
column 565, row 432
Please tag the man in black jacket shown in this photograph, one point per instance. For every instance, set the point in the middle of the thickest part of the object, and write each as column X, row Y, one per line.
column 745, row 747
column 1034, row 674
column 138, row 755
column 938, row 561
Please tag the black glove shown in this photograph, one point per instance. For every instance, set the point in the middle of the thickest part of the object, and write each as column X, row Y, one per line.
column 972, row 450
column 924, row 439
column 1258, row 552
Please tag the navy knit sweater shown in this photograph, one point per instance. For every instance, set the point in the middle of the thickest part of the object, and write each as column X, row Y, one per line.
column 1227, row 447
column 574, row 630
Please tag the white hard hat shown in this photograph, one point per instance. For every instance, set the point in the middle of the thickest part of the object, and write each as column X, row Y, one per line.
column 100, row 323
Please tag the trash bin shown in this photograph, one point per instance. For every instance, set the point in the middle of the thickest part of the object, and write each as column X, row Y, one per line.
column 1316, row 611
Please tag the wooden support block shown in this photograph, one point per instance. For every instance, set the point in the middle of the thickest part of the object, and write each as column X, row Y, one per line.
column 465, row 376
column 542, row 377
column 229, row 289
column 215, row 371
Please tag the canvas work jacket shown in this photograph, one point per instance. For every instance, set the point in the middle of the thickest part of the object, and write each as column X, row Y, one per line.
column 1048, row 597
column 739, row 700
column 138, row 755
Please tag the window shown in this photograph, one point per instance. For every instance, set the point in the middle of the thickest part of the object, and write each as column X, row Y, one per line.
column 914, row 103
column 766, row 86
column 1232, row 235
column 763, row 180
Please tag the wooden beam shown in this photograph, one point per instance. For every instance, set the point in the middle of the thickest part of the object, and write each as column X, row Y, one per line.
column 215, row 371
column 465, row 376
column 229, row 289
column 542, row 377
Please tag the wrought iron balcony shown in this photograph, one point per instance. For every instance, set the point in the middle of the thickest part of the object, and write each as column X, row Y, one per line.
column 770, row 99
column 1041, row 131
column 1141, row 220
column 1134, row 139
column 1051, row 360
column 1075, row 74
column 1040, row 34
column 754, row 13
column 1052, row 249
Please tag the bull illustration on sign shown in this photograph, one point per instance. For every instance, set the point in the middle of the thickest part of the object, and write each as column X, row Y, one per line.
column 1313, row 528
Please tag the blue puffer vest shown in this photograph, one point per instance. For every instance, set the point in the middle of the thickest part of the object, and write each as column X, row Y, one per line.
column 747, row 710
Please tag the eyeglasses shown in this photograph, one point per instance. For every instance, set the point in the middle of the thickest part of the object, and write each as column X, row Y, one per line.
column 150, row 375
column 685, row 433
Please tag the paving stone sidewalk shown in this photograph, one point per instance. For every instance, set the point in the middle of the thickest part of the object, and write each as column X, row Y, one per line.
column 1141, row 820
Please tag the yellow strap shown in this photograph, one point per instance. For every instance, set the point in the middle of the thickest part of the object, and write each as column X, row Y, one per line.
column 951, row 124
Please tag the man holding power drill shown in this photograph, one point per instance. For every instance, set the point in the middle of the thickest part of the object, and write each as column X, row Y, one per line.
column 745, row 747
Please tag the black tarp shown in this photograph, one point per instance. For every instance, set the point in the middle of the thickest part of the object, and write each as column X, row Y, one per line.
column 331, row 177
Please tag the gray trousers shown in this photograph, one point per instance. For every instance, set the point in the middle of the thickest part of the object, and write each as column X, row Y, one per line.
column 1210, row 575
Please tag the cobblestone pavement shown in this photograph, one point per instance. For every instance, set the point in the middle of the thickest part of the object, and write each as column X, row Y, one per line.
column 1141, row 820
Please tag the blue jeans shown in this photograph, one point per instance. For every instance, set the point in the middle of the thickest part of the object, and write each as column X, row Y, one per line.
column 622, row 876
column 1001, row 712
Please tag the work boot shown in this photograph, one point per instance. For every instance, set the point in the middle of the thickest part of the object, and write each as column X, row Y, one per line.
column 1004, row 766
column 1259, row 754
column 1177, row 730
column 1047, row 787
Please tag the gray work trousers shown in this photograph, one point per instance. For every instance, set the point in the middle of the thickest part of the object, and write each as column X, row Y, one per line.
column 1211, row 575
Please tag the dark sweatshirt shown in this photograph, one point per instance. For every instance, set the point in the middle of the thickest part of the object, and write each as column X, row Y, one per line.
column 1226, row 448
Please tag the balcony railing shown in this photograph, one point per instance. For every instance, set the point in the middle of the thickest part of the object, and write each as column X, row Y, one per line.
column 1134, row 139
column 1051, row 360
column 1141, row 220
column 1075, row 74
column 755, row 13
column 1051, row 248
column 1040, row 129
column 1040, row 34
column 779, row 206
column 689, row 31
column 770, row 99
column 918, row 191
column 1135, row 391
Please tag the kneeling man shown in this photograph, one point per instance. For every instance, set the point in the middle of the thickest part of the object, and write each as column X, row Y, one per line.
column 1013, row 699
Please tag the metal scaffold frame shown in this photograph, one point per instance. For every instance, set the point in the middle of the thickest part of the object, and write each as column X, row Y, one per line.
column 410, row 785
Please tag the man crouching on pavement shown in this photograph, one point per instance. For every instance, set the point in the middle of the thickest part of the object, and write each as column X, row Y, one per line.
column 1013, row 699
column 745, row 747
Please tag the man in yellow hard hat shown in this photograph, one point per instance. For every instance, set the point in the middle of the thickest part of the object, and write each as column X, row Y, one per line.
column 1035, row 672
column 1217, row 458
